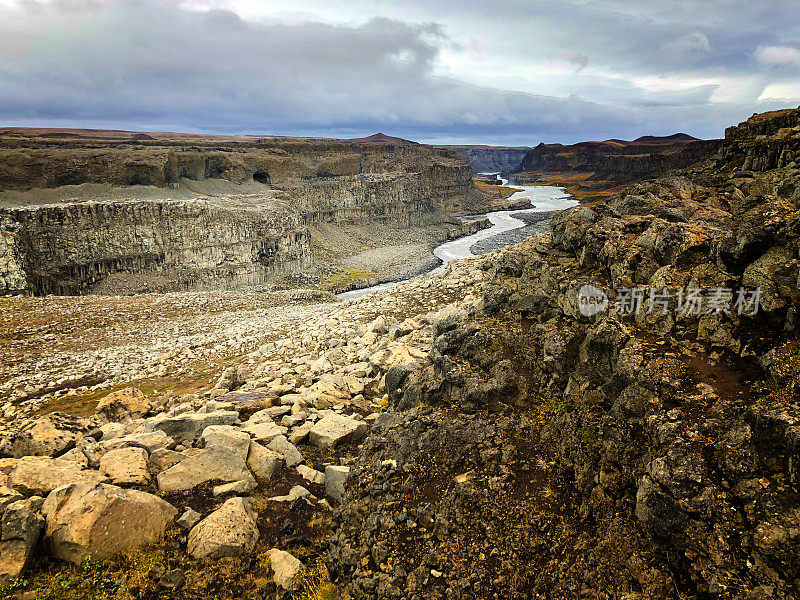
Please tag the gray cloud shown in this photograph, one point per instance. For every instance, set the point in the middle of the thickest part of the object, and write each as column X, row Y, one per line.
column 157, row 65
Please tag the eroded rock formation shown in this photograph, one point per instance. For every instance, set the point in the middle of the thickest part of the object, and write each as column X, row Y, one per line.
column 213, row 214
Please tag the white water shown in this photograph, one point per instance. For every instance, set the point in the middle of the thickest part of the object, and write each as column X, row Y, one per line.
column 543, row 198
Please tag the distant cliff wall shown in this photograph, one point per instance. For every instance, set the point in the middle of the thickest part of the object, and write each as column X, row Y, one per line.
column 621, row 161
column 217, row 240
column 491, row 159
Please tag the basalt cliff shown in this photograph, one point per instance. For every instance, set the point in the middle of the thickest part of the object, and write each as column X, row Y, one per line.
column 84, row 211
column 618, row 160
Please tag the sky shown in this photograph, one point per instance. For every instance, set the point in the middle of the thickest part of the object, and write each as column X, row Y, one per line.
column 502, row 72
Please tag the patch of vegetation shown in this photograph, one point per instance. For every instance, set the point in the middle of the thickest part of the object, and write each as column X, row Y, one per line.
column 314, row 583
column 348, row 278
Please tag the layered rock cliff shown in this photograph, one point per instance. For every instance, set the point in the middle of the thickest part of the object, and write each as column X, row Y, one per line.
column 619, row 160
column 492, row 159
column 169, row 214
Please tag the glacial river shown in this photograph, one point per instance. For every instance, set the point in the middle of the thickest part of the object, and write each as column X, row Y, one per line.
column 543, row 199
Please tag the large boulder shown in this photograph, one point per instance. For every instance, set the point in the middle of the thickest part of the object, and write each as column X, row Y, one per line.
column 49, row 435
column 334, row 430
column 125, row 404
column 102, row 521
column 229, row 531
column 41, row 475
column 213, row 464
column 19, row 532
column 226, row 437
column 187, row 427
column 126, row 466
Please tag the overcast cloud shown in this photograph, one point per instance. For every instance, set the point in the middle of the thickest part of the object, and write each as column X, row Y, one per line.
column 505, row 72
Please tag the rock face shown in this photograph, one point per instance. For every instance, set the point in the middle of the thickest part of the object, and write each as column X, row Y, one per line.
column 102, row 521
column 192, row 239
column 656, row 448
column 229, row 531
column 617, row 159
column 492, row 159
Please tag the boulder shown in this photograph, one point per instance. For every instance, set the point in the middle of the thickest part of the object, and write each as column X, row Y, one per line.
column 285, row 568
column 187, row 427
column 102, row 521
column 310, row 474
column 230, row 530
column 291, row 455
column 49, row 435
column 123, row 405
column 226, row 436
column 296, row 492
column 164, row 459
column 325, row 394
column 300, row 434
column 335, row 478
column 238, row 488
column 188, row 519
column 126, row 466
column 19, row 532
column 40, row 475
column 265, row 432
column 264, row 463
column 213, row 464
column 334, row 430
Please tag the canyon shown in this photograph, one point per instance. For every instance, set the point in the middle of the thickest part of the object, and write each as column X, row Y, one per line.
column 118, row 212
column 470, row 433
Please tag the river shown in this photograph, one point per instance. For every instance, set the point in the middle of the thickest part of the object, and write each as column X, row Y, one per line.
column 543, row 199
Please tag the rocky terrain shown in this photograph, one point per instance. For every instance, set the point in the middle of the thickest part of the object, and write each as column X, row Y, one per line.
column 470, row 434
column 117, row 212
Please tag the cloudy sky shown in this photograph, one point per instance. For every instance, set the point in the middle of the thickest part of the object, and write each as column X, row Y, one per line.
column 452, row 71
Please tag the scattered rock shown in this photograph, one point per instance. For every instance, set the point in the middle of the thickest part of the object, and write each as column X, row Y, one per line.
column 291, row 455
column 126, row 466
column 123, row 405
column 285, row 568
column 264, row 463
column 241, row 488
column 310, row 474
column 213, row 464
column 335, row 478
column 334, row 430
column 188, row 519
column 102, row 521
column 229, row 531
